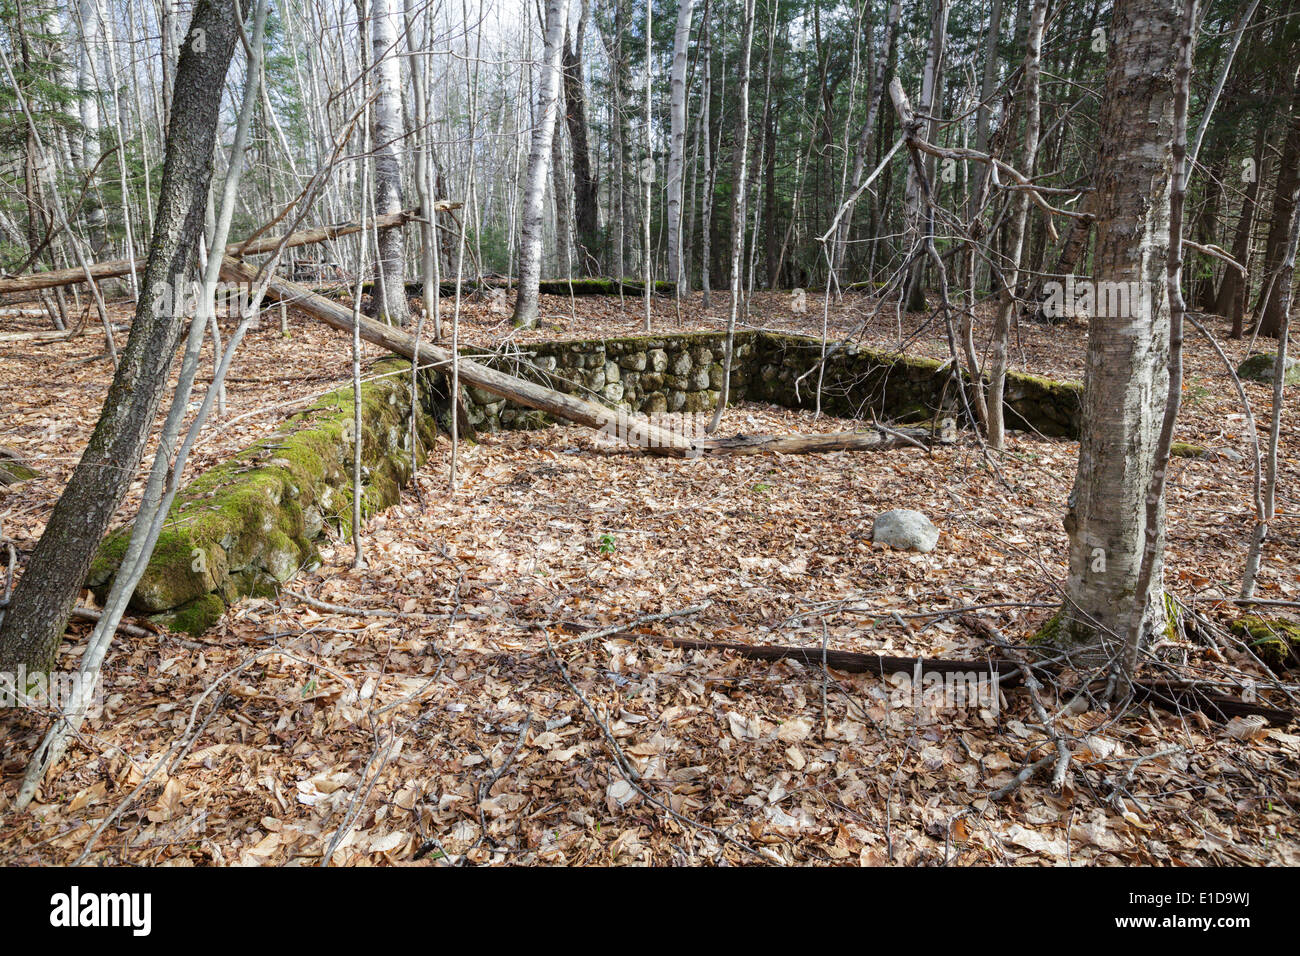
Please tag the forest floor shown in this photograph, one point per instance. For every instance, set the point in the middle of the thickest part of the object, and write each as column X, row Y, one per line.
column 472, row 706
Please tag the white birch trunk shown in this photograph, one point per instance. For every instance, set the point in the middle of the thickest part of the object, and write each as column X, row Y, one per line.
column 931, row 85
column 710, row 172
column 386, row 135
column 677, row 143
column 90, row 71
column 539, row 159
column 167, row 17
column 737, row 211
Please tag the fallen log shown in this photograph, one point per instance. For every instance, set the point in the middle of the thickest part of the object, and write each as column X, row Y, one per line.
column 852, row 662
column 113, row 268
column 811, row 444
column 479, row 284
column 606, row 420
column 1165, row 695
column 45, row 336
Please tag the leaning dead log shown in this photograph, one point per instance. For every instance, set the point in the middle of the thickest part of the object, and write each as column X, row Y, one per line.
column 614, row 423
column 628, row 428
column 114, row 268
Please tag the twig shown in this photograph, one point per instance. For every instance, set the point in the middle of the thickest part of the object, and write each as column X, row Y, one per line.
column 613, row 629
column 1063, row 752
column 488, row 784
column 1026, row 772
column 1216, row 253
column 90, row 614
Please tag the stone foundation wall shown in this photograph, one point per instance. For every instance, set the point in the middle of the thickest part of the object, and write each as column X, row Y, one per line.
column 860, row 381
column 649, row 374
column 248, row 525
column 683, row 373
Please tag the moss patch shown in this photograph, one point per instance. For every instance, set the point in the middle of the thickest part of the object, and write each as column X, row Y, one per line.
column 1044, row 405
column 1047, row 635
column 193, row 618
column 1275, row 641
column 13, row 471
column 1050, row 634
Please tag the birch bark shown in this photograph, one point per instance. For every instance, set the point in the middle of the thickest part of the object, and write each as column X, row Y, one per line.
column 386, row 137
column 539, row 160
column 677, row 142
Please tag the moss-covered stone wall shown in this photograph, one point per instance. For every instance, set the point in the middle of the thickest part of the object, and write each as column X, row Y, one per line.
column 248, row 525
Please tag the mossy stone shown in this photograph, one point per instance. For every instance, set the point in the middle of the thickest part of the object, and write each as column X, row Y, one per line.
column 1182, row 449
column 1274, row 640
column 12, row 472
column 194, row 617
column 1259, row 368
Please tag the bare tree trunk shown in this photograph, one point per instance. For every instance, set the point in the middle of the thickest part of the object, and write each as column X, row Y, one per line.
column 1150, row 563
column 619, row 156
column 539, row 158
column 424, row 182
column 170, row 49
column 1269, row 309
column 677, row 142
column 1231, row 300
column 90, row 69
column 561, row 194
column 35, row 621
column 586, row 188
column 710, row 169
column 1205, row 228
column 988, row 85
column 647, row 162
column 875, row 95
column 1127, row 375
column 931, row 100
column 386, row 137
column 119, row 129
column 1016, row 238
column 737, row 210
column 1285, row 284
column 358, row 430
column 164, row 478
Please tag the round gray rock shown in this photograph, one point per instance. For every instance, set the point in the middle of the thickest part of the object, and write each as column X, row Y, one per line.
column 904, row 529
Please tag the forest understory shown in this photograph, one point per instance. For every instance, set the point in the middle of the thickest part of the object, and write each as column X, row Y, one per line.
column 487, row 690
